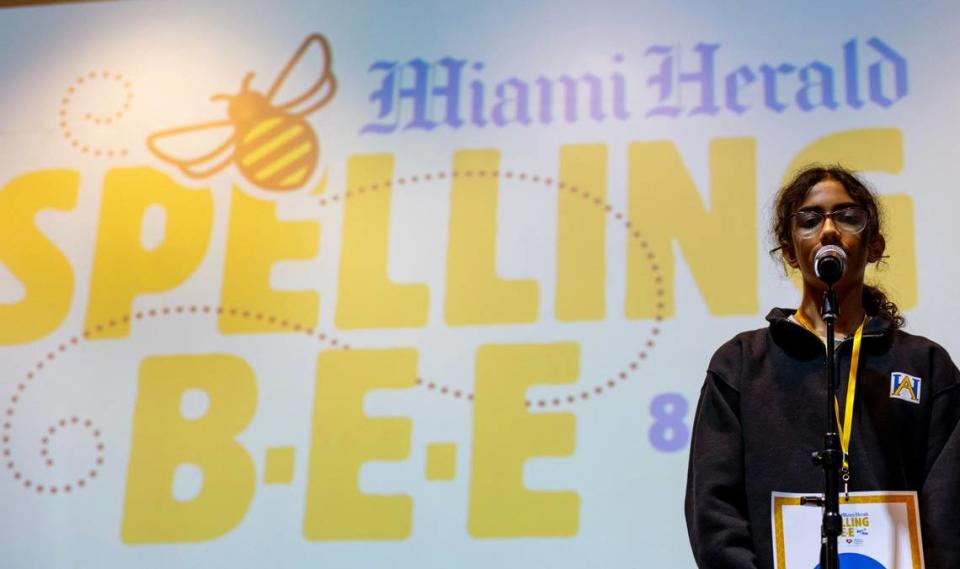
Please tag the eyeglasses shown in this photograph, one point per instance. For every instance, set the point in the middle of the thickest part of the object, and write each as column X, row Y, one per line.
column 851, row 220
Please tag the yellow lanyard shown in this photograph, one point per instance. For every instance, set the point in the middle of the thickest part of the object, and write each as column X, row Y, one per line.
column 846, row 427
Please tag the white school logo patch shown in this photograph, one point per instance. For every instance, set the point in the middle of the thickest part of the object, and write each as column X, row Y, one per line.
column 905, row 387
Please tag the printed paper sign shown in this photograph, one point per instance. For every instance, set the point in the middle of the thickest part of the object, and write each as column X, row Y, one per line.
column 881, row 530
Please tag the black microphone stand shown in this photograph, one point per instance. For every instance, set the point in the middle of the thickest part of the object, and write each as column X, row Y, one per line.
column 831, row 457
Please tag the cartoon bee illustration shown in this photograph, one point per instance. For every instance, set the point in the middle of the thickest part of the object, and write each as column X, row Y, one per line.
column 271, row 143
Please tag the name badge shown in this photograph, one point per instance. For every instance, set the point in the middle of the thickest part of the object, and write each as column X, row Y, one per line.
column 881, row 530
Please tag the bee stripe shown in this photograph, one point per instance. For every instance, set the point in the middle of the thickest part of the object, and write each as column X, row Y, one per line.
column 280, row 152
column 277, row 153
column 295, row 173
column 298, row 152
column 296, row 178
column 264, row 126
column 276, row 142
column 266, row 129
column 283, row 177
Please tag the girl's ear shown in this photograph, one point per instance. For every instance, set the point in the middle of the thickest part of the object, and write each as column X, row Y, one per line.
column 876, row 248
column 789, row 256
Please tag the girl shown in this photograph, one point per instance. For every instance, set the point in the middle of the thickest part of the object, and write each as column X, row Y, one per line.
column 761, row 409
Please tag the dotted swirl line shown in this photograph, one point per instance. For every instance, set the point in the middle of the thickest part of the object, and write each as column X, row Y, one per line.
column 6, row 439
column 193, row 309
column 73, row 422
column 98, row 120
column 590, row 199
column 596, row 390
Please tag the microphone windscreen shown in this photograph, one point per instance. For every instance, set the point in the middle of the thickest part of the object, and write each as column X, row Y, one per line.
column 829, row 263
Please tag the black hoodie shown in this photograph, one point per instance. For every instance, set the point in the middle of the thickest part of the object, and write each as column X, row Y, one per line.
column 762, row 413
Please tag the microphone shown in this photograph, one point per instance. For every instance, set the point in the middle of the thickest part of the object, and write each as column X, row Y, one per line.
column 829, row 263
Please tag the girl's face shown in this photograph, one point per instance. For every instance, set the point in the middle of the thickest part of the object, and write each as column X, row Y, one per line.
column 829, row 196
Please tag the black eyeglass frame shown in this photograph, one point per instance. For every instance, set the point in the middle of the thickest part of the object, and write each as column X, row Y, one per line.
column 824, row 215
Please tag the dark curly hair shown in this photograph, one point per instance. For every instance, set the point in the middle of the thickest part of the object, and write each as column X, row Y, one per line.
column 875, row 301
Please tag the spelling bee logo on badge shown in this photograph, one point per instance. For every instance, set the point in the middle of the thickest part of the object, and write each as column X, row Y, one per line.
column 905, row 387
column 856, row 527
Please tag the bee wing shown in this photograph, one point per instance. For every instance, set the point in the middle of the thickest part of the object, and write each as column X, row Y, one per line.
column 198, row 150
column 306, row 82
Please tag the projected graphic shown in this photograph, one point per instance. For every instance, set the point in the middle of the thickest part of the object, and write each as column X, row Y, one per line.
column 443, row 300
column 270, row 142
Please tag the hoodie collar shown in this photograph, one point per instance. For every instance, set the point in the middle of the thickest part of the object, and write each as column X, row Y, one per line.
column 799, row 341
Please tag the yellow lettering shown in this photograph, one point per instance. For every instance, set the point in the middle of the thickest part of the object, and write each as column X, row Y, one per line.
column 344, row 438
column 164, row 439
column 122, row 267
column 874, row 150
column 42, row 269
column 581, row 233
column 475, row 294
column 366, row 298
column 906, row 383
column 256, row 240
column 506, row 435
column 665, row 205
column 900, row 282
